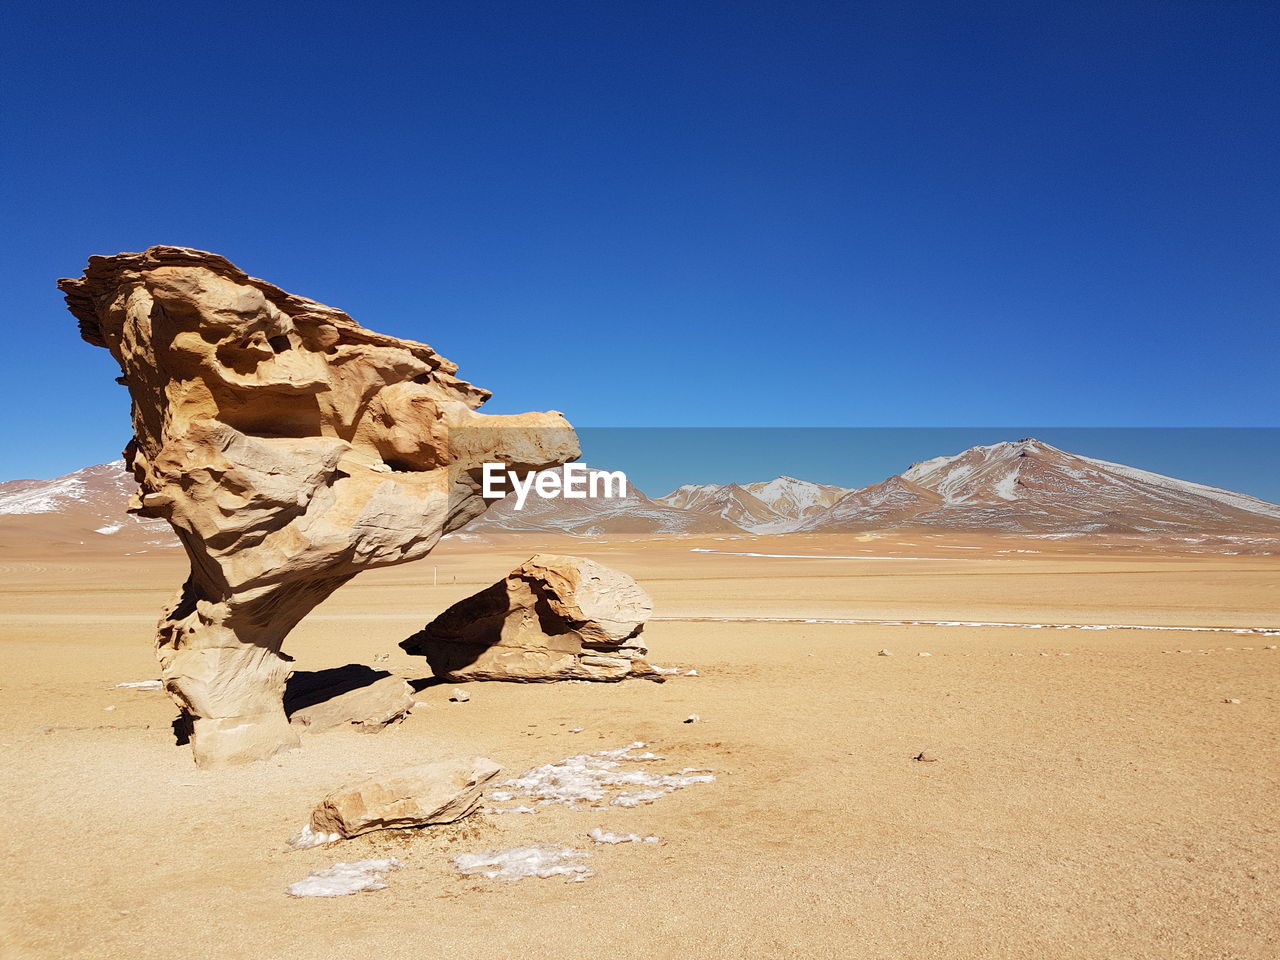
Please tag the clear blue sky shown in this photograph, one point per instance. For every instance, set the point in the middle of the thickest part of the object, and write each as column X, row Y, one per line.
column 675, row 213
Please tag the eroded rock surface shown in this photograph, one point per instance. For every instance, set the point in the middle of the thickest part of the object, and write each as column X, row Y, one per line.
column 552, row 618
column 430, row 793
column 370, row 701
column 289, row 448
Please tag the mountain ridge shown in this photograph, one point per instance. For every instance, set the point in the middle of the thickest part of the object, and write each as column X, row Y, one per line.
column 1022, row 486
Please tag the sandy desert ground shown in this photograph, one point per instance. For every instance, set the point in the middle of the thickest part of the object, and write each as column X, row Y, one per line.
column 1094, row 795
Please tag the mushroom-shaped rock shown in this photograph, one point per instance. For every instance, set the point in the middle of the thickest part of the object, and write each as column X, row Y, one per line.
column 289, row 448
column 552, row 618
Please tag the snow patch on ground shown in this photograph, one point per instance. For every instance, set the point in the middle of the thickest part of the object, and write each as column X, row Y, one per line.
column 603, row 836
column 141, row 684
column 538, row 860
column 113, row 528
column 344, row 878
column 600, row 779
column 1246, row 631
column 306, row 838
column 813, row 556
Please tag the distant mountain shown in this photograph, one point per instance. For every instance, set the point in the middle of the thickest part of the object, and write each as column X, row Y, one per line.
column 1025, row 486
column 1030, row 486
column 86, row 506
column 633, row 514
column 767, row 506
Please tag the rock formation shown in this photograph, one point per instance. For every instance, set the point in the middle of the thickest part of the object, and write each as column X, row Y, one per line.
column 416, row 797
column 289, row 448
column 355, row 695
column 552, row 618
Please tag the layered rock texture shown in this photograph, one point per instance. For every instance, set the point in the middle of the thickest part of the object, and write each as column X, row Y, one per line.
column 552, row 618
column 289, row 448
column 356, row 696
column 439, row 792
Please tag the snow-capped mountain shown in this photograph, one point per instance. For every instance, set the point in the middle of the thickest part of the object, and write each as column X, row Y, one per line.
column 1023, row 486
column 104, row 486
column 767, row 506
column 633, row 514
column 1030, row 486
column 85, row 506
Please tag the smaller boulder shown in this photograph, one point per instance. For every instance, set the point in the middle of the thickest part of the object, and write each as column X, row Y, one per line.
column 439, row 792
column 368, row 708
column 552, row 618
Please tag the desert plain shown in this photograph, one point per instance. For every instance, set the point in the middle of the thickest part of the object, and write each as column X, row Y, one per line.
column 1084, row 792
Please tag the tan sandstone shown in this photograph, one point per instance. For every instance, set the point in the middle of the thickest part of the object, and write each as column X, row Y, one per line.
column 368, row 709
column 289, row 448
column 431, row 793
column 552, row 618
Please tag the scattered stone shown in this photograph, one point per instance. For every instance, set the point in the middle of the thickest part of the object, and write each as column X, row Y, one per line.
column 538, row 860
column 885, row 653
column 290, row 448
column 369, row 708
column 692, row 673
column 459, row 696
column 1230, row 700
column 108, row 708
column 439, row 792
column 923, row 654
column 575, row 729
column 692, row 718
column 552, row 618
column 926, row 756
column 344, row 878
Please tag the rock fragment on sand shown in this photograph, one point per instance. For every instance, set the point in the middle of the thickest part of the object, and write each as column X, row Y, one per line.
column 923, row 654
column 439, row 792
column 552, row 618
column 1230, row 700
column 926, row 756
column 885, row 653
column 369, row 708
column 459, row 696
column 692, row 718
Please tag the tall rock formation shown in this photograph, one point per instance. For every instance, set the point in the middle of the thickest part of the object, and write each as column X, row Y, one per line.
column 289, row 448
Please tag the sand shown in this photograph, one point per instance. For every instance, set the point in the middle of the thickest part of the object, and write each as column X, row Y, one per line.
column 1093, row 795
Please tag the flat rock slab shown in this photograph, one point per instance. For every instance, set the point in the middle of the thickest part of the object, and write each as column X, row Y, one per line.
column 439, row 792
column 379, row 701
